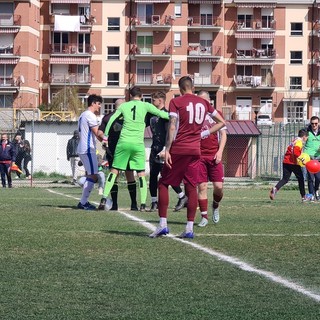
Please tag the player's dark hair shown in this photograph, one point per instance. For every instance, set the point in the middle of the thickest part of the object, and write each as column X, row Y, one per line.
column 302, row 133
column 159, row 94
column 135, row 92
column 314, row 118
column 93, row 98
column 185, row 83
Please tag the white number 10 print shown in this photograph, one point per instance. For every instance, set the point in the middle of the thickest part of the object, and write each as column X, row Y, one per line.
column 197, row 114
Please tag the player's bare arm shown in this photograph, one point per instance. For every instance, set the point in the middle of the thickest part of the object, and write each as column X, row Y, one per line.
column 222, row 144
column 95, row 131
column 172, row 128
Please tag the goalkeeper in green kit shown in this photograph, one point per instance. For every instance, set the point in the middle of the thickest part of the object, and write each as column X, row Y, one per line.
column 130, row 149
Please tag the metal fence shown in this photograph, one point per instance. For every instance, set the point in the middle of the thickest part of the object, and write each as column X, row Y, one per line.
column 272, row 145
column 244, row 157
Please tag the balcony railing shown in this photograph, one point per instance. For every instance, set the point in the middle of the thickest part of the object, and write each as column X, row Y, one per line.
column 72, row 49
column 70, row 78
column 256, row 53
column 154, row 79
column 196, row 49
column 152, row 20
column 255, row 25
column 205, row 20
column 254, row 81
column 206, row 79
column 10, row 51
column 9, row 82
column 10, row 20
column 162, row 49
column 85, row 20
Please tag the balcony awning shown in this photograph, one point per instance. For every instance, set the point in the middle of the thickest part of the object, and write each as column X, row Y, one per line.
column 152, row 1
column 258, row 62
column 256, row 4
column 70, row 60
column 254, row 35
column 70, row 1
column 205, row 1
column 9, row 60
column 202, row 59
column 9, row 30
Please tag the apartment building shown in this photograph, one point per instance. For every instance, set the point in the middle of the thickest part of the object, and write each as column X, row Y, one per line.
column 252, row 56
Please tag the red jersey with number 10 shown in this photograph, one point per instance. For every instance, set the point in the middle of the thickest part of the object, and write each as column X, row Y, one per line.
column 190, row 111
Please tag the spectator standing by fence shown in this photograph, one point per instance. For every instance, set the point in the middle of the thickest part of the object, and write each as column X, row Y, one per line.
column 7, row 158
column 312, row 148
column 72, row 155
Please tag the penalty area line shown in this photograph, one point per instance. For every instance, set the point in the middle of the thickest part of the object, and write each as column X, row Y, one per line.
column 222, row 257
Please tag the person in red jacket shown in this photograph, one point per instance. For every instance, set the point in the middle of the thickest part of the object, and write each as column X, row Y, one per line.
column 290, row 165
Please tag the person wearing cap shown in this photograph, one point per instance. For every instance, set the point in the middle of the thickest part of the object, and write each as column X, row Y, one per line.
column 72, row 155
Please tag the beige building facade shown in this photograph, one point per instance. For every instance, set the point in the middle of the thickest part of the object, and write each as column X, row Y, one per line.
column 252, row 56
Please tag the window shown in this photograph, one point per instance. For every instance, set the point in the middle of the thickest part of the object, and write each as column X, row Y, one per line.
column 60, row 8
column 145, row 44
column 244, row 70
column 145, row 12
column 296, row 83
column 177, row 68
column 84, row 42
column 177, row 39
column 113, row 24
column 296, row 57
column 177, row 10
column 113, row 53
column 60, row 42
column 6, row 74
column 244, row 21
column 112, row 79
column 206, row 19
column 144, row 72
column 296, row 29
column 6, row 101
column 295, row 111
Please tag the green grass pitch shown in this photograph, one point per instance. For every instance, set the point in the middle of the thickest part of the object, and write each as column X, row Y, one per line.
column 58, row 262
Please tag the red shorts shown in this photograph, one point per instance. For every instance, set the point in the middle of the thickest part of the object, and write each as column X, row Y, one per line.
column 209, row 170
column 184, row 168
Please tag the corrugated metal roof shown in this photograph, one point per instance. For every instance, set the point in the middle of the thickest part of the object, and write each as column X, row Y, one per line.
column 234, row 128
column 242, row 128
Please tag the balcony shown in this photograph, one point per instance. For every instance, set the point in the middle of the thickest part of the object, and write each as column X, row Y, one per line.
column 153, row 22
column 86, row 21
column 70, row 79
column 73, row 49
column 255, row 56
column 258, row 82
column 206, row 80
column 154, row 80
column 196, row 53
column 158, row 52
column 254, row 29
column 10, row 54
column 9, row 84
column 10, row 23
column 204, row 22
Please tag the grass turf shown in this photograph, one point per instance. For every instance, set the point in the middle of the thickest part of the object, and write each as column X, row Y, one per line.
column 61, row 263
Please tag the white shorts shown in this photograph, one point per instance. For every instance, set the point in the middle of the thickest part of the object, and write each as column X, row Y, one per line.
column 90, row 163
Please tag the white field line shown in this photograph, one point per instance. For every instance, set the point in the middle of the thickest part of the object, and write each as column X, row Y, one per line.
column 232, row 260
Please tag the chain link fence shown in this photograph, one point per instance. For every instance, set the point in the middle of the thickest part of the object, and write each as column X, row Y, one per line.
column 244, row 157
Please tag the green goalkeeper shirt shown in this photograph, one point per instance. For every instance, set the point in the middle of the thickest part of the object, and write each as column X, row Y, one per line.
column 134, row 113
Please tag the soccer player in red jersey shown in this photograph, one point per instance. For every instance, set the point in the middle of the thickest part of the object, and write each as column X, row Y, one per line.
column 182, row 154
column 211, row 167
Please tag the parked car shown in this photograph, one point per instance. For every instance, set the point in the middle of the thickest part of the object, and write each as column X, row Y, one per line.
column 264, row 120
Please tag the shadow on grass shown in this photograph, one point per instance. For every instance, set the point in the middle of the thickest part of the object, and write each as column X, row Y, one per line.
column 126, row 233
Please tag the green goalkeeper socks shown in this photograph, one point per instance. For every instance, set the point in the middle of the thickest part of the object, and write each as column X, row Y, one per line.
column 143, row 189
column 109, row 184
